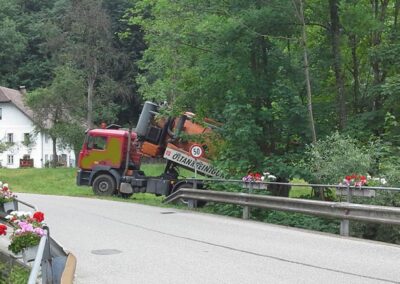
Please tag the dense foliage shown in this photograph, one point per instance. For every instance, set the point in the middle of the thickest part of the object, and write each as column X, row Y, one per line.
column 73, row 63
column 241, row 62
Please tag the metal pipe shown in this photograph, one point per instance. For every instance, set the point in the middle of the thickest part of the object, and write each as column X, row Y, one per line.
column 300, row 184
column 36, row 265
column 128, row 150
column 27, row 204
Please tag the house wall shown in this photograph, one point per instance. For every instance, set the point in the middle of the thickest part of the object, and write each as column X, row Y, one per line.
column 16, row 122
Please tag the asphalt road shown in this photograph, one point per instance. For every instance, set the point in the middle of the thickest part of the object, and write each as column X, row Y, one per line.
column 118, row 242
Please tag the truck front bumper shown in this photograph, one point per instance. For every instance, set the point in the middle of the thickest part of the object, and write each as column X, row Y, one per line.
column 82, row 178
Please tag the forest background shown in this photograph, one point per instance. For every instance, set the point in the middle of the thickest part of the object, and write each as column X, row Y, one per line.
column 304, row 89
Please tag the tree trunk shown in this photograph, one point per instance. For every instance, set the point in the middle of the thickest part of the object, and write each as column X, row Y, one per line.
column 396, row 14
column 90, row 95
column 92, row 76
column 300, row 14
column 337, row 61
column 380, row 14
column 55, row 157
column 356, row 76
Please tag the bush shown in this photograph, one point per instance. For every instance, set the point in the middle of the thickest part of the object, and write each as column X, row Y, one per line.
column 331, row 159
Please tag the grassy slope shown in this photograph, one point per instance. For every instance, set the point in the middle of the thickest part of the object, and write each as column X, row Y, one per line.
column 61, row 181
column 44, row 181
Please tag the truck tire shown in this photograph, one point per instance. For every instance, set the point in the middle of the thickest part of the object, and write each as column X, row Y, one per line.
column 104, row 185
column 184, row 201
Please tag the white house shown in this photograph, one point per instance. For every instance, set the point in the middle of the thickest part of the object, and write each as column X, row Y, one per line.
column 17, row 128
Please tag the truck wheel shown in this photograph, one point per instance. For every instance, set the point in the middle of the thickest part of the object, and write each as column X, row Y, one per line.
column 104, row 185
column 184, row 201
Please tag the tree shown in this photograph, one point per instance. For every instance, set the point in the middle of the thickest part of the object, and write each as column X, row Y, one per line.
column 337, row 60
column 56, row 106
column 230, row 61
column 89, row 44
column 300, row 14
column 13, row 42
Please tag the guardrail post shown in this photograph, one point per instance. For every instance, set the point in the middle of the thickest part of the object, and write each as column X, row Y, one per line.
column 344, row 227
column 192, row 204
column 246, row 209
column 345, row 224
column 246, row 212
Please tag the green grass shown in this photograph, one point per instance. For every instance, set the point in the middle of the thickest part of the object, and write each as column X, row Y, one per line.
column 61, row 181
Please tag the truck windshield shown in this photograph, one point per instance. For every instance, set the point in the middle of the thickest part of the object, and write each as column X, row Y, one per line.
column 97, row 143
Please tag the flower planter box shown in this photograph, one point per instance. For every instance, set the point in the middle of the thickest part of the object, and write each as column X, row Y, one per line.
column 254, row 185
column 29, row 254
column 356, row 192
column 26, row 163
column 8, row 207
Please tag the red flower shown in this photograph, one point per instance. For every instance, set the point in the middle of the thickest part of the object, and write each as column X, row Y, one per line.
column 348, row 178
column 3, row 229
column 257, row 176
column 5, row 188
column 38, row 216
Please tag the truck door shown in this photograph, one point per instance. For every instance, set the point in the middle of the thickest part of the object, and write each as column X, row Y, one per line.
column 100, row 150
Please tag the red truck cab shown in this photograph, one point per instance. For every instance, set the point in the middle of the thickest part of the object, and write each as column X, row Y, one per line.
column 104, row 147
column 103, row 153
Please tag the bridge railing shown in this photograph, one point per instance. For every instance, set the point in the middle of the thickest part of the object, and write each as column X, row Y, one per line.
column 52, row 264
column 345, row 211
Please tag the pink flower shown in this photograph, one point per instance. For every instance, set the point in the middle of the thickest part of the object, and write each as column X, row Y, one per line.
column 25, row 227
column 39, row 231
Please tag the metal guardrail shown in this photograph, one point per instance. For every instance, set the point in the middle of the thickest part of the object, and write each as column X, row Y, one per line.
column 341, row 210
column 322, row 186
column 38, row 259
column 342, row 190
column 56, row 265
column 27, row 204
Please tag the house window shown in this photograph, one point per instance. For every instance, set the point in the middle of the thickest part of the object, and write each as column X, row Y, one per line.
column 27, row 138
column 10, row 137
column 10, row 159
column 46, row 158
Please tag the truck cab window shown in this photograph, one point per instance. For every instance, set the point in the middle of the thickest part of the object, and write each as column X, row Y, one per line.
column 97, row 143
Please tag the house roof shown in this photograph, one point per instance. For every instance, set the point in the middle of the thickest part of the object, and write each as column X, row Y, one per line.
column 8, row 95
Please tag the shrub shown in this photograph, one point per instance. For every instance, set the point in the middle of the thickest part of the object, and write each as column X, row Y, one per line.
column 331, row 159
